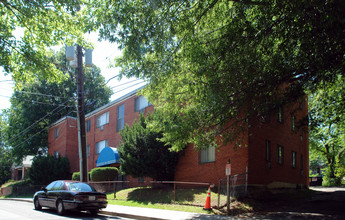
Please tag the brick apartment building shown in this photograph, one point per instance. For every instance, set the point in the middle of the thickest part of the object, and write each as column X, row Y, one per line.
column 275, row 152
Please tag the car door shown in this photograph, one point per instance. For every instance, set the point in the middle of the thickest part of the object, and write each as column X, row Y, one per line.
column 42, row 197
column 53, row 194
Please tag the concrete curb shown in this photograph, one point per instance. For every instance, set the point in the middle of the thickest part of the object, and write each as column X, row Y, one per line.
column 124, row 215
column 16, row 199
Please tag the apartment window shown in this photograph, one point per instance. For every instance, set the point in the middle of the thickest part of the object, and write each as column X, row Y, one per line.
column 301, row 134
column 88, row 150
column 141, row 103
column 120, row 117
column 280, row 114
column 293, row 123
column 268, row 154
column 56, row 154
column 268, row 150
column 102, row 120
column 101, row 145
column 280, row 154
column 88, row 125
column 301, row 165
column 293, row 159
column 300, row 103
column 207, row 155
column 56, row 132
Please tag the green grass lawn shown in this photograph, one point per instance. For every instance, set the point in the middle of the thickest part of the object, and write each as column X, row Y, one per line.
column 188, row 200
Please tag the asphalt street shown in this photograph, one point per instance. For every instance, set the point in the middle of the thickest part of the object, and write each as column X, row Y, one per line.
column 16, row 210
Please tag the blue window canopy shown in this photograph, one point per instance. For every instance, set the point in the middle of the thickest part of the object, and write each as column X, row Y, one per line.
column 109, row 155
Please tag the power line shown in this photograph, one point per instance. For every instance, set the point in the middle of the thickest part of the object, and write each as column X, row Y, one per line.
column 124, row 83
column 37, row 102
column 37, row 133
column 50, row 96
column 49, row 113
column 128, row 87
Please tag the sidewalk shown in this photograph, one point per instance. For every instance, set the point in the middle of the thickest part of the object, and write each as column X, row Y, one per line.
column 145, row 213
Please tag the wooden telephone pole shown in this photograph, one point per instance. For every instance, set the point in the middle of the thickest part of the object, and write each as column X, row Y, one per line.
column 81, row 116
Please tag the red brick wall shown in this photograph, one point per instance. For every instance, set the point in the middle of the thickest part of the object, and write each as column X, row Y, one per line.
column 190, row 169
column 66, row 143
column 109, row 131
column 278, row 134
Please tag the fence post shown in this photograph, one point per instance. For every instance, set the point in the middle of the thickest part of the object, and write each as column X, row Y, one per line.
column 219, row 193
column 174, row 192
column 246, row 183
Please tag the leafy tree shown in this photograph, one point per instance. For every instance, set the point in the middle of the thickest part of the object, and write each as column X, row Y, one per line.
column 40, row 103
column 30, row 28
column 5, row 155
column 143, row 155
column 327, row 127
column 45, row 169
column 207, row 61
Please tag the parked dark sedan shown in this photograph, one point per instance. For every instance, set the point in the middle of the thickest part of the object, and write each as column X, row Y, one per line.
column 65, row 195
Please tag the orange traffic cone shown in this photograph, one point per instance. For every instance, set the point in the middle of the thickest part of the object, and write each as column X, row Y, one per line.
column 208, row 200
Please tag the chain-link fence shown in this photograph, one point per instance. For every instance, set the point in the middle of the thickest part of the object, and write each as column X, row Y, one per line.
column 25, row 191
column 238, row 186
column 170, row 191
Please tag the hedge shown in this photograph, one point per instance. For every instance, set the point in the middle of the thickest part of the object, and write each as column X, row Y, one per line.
column 104, row 174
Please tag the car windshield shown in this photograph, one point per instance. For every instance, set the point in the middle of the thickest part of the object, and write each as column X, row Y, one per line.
column 80, row 187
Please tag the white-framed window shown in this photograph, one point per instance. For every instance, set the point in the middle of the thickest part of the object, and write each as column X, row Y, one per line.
column 102, row 119
column 88, row 150
column 101, row 145
column 207, row 155
column 56, row 132
column 88, row 125
column 141, row 103
column 120, row 117
column 293, row 159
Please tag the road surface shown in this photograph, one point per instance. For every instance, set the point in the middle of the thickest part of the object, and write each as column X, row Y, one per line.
column 18, row 210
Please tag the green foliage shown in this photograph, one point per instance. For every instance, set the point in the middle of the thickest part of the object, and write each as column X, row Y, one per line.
column 41, row 103
column 327, row 127
column 76, row 176
column 29, row 28
column 5, row 156
column 143, row 155
column 5, row 165
column 209, row 60
column 103, row 174
column 45, row 169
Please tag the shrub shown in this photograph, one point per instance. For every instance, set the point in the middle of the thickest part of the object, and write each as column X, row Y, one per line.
column 104, row 174
column 76, row 176
column 45, row 169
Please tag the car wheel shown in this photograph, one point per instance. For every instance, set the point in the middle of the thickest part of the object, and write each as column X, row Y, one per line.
column 94, row 212
column 60, row 208
column 37, row 204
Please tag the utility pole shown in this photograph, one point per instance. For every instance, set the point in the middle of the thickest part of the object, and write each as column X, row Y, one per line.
column 81, row 116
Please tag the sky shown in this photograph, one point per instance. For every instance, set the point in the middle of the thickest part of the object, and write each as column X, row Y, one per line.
column 102, row 56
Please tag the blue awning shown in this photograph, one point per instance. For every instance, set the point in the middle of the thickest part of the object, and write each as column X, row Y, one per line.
column 109, row 155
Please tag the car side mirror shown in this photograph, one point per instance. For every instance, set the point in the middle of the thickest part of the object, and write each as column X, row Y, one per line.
column 44, row 189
